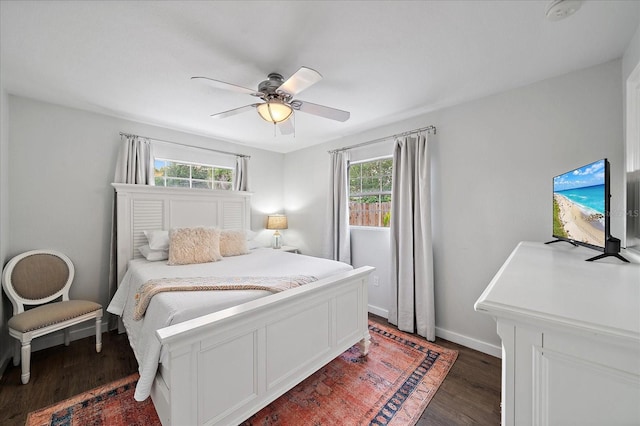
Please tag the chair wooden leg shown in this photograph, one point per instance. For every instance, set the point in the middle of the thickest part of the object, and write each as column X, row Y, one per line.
column 16, row 353
column 98, row 334
column 26, row 362
column 67, row 337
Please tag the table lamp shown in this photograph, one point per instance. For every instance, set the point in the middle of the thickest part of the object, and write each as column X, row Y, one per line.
column 276, row 222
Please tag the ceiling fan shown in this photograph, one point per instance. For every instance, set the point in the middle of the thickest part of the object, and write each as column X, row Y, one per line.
column 277, row 95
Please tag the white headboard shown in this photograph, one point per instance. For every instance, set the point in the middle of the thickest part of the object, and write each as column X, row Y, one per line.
column 144, row 207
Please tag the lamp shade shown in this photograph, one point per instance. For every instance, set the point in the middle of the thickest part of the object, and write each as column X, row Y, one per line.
column 274, row 111
column 277, row 222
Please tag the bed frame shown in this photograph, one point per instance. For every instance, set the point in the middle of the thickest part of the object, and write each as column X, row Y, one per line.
column 223, row 367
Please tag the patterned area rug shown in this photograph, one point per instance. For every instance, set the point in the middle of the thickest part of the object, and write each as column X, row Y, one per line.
column 391, row 386
column 108, row 405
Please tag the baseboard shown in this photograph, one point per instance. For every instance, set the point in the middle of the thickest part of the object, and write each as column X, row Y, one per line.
column 469, row 342
column 460, row 339
column 378, row 311
column 87, row 329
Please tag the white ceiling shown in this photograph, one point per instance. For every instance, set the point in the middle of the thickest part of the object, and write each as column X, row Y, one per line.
column 381, row 60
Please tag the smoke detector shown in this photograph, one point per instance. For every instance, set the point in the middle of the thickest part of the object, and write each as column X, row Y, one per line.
column 560, row 9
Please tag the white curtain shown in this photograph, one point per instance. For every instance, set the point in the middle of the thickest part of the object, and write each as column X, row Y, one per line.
column 338, row 239
column 241, row 179
column 135, row 161
column 135, row 165
column 412, row 303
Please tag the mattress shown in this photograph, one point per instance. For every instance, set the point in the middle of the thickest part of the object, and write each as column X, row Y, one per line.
column 171, row 308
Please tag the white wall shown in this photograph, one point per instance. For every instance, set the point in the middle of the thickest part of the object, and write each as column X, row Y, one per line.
column 631, row 57
column 62, row 162
column 5, row 306
column 494, row 159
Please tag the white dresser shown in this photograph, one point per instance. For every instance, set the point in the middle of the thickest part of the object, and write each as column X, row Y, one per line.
column 570, row 333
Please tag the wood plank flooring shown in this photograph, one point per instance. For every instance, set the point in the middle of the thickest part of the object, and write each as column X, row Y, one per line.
column 470, row 395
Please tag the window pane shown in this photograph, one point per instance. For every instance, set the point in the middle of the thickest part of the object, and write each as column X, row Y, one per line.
column 223, row 175
column 201, row 172
column 355, row 170
column 370, row 169
column 201, row 184
column 178, row 170
column 183, row 183
column 386, row 166
column 159, row 181
column 222, row 185
column 354, row 186
column 355, row 211
column 371, row 184
column 387, row 182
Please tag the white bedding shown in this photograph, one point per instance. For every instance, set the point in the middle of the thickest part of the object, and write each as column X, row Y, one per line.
column 174, row 307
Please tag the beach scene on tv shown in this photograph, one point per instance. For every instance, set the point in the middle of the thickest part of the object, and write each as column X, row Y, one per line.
column 579, row 204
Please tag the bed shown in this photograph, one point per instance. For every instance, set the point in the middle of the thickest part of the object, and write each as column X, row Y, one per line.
column 218, row 357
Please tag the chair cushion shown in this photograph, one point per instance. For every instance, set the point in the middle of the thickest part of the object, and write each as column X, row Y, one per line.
column 50, row 314
column 39, row 275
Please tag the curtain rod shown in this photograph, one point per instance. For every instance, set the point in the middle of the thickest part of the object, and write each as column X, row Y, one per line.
column 189, row 146
column 410, row 132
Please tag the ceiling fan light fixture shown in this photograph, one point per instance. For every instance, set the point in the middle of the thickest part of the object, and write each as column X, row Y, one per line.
column 560, row 9
column 274, row 111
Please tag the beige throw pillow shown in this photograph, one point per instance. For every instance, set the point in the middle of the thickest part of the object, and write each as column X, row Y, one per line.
column 194, row 245
column 233, row 243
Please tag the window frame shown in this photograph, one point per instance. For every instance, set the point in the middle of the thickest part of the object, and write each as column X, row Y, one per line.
column 191, row 179
column 379, row 193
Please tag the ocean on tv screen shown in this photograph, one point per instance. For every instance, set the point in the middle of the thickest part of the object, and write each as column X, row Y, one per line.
column 579, row 204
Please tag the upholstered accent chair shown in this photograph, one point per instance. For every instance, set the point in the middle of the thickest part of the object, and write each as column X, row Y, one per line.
column 40, row 279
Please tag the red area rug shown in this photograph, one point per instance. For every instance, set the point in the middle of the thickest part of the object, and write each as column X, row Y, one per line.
column 391, row 386
column 108, row 405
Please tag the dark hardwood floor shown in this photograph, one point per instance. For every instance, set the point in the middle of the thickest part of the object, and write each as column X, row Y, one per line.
column 61, row 372
column 470, row 395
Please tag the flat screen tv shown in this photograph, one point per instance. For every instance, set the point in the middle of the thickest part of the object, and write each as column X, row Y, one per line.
column 581, row 206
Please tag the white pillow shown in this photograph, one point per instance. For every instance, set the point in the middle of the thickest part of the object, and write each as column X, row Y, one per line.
column 153, row 255
column 251, row 243
column 158, row 240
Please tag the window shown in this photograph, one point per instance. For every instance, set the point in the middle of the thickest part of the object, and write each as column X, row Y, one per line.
column 191, row 175
column 370, row 192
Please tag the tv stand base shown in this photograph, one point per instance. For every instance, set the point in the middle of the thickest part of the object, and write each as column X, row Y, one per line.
column 562, row 241
column 618, row 255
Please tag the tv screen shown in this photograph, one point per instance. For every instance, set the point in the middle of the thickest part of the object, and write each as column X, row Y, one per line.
column 581, row 205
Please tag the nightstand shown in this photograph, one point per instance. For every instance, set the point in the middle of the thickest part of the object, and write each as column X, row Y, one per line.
column 289, row 249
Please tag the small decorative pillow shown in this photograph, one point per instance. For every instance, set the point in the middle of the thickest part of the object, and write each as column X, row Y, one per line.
column 233, row 243
column 194, row 245
column 153, row 255
column 158, row 240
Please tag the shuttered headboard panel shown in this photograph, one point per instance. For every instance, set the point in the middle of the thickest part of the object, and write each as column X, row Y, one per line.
column 142, row 207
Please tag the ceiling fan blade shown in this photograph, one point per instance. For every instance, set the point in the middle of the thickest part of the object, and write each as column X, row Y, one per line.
column 301, row 80
column 320, row 110
column 286, row 127
column 234, row 111
column 228, row 86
